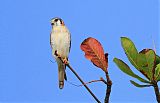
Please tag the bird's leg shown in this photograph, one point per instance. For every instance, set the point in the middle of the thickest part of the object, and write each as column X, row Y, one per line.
column 65, row 61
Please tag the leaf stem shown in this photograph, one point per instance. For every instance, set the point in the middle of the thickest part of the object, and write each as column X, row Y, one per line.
column 108, row 90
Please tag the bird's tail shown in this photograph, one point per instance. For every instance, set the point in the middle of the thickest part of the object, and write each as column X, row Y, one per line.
column 61, row 73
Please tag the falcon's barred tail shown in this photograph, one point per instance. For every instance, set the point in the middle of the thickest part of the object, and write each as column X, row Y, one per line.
column 61, row 73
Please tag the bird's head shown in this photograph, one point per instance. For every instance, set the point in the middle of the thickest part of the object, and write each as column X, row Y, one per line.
column 57, row 22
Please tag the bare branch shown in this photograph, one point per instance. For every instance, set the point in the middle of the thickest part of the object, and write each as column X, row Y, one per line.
column 108, row 90
column 156, row 90
column 83, row 83
column 78, row 78
column 100, row 80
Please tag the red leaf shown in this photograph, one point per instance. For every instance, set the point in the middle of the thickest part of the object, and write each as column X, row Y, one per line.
column 94, row 52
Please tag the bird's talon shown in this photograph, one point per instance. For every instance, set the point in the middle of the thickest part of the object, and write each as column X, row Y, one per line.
column 65, row 61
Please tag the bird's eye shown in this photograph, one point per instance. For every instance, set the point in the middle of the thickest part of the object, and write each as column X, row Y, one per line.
column 52, row 23
column 56, row 20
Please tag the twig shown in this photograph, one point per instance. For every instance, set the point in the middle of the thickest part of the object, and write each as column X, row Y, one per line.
column 73, row 84
column 90, row 82
column 156, row 90
column 103, row 81
column 78, row 78
column 108, row 90
column 83, row 83
column 100, row 80
column 52, row 61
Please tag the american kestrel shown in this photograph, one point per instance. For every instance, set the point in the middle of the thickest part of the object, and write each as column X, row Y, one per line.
column 60, row 41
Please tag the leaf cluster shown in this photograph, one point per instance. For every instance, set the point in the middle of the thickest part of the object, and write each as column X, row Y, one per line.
column 147, row 62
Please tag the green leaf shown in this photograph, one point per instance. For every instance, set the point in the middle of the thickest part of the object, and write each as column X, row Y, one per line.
column 157, row 72
column 139, row 85
column 130, row 51
column 148, row 63
column 143, row 61
column 125, row 68
column 157, row 59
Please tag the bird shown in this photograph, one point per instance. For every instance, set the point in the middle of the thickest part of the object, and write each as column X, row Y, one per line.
column 60, row 41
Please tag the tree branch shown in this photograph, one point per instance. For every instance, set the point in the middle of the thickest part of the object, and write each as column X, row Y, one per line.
column 156, row 90
column 91, row 82
column 108, row 90
column 67, row 64
column 83, row 83
column 100, row 80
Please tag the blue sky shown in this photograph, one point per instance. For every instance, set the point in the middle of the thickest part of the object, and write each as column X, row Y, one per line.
column 26, row 73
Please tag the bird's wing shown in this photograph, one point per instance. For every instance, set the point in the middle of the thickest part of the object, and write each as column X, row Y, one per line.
column 70, row 43
column 50, row 40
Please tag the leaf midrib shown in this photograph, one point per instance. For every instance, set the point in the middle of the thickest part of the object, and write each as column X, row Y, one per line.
column 131, row 58
column 98, row 57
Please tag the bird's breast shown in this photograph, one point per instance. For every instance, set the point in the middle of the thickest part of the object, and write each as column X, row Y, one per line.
column 60, row 40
